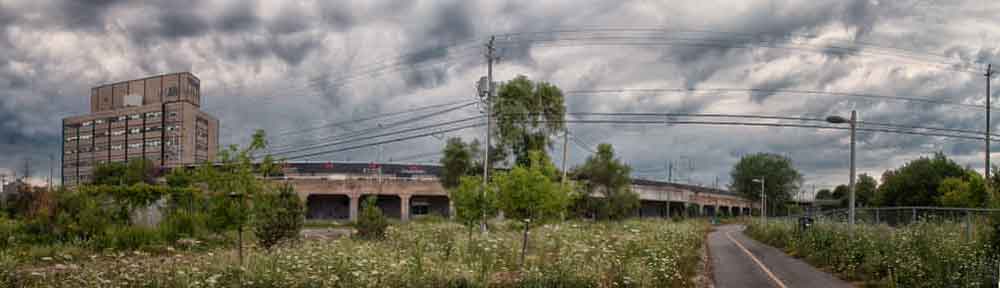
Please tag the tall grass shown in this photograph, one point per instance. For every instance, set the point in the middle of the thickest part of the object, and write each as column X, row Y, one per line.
column 429, row 254
column 923, row 254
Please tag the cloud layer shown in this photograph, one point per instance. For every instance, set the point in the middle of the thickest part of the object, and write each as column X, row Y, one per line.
column 285, row 65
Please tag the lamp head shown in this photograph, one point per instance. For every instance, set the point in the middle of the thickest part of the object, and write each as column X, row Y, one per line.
column 836, row 119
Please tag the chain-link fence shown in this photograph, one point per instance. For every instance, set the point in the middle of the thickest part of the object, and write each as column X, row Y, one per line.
column 974, row 223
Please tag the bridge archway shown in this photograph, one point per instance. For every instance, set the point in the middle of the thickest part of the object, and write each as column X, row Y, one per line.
column 328, row 207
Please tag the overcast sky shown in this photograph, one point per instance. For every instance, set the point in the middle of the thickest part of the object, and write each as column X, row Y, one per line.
column 282, row 65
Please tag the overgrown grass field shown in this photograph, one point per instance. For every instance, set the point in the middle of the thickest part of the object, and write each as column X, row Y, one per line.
column 924, row 254
column 635, row 253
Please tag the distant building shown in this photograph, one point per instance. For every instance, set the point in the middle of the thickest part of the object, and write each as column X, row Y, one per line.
column 156, row 118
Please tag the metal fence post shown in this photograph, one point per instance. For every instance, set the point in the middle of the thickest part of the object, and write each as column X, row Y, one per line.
column 968, row 226
column 914, row 216
column 876, row 216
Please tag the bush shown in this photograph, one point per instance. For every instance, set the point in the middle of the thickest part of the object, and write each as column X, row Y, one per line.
column 371, row 225
column 183, row 224
column 919, row 255
column 278, row 217
column 127, row 238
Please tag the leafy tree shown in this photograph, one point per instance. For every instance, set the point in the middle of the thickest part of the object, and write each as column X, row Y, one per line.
column 864, row 190
column 118, row 173
column 529, row 114
column 470, row 203
column 278, row 217
column 530, row 193
column 917, row 182
column 824, row 194
column 841, row 193
column 966, row 191
column 955, row 192
column 372, row 223
column 780, row 178
column 459, row 160
column 607, row 176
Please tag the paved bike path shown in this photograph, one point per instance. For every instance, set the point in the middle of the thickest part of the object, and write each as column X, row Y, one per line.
column 738, row 261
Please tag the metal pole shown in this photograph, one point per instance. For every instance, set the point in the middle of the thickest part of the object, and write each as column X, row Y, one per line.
column 986, row 174
column 763, row 202
column 489, row 116
column 854, row 125
column 565, row 139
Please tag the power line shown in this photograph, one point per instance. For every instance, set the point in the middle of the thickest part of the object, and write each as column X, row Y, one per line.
column 386, row 141
column 351, row 140
column 369, row 118
column 738, row 43
column 380, row 127
column 719, row 123
column 746, row 36
column 786, row 91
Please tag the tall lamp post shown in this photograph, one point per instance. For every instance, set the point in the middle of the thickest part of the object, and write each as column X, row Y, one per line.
column 763, row 198
column 853, row 122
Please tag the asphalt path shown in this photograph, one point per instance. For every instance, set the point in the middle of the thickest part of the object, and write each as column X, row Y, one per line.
column 738, row 261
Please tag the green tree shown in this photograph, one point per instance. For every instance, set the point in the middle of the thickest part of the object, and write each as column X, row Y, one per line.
column 528, row 115
column 607, row 176
column 916, row 183
column 471, row 204
column 955, row 192
column 278, row 217
column 840, row 193
column 459, row 159
column 529, row 193
column 865, row 190
column 372, row 223
column 780, row 178
column 118, row 173
column 824, row 194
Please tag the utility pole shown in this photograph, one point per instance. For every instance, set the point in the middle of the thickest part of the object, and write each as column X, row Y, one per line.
column 27, row 168
column 986, row 175
column 670, row 171
column 490, row 57
column 565, row 139
column 50, row 172
column 854, row 126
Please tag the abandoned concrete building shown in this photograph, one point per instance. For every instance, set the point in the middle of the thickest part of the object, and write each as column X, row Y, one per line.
column 334, row 191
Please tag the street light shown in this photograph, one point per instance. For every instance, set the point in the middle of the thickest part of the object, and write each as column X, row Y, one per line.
column 763, row 198
column 853, row 122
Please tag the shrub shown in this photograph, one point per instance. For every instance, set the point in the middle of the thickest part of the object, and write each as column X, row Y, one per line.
column 919, row 255
column 278, row 217
column 127, row 238
column 371, row 225
column 183, row 224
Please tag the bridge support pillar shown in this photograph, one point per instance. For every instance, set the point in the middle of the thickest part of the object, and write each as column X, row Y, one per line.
column 355, row 202
column 404, row 207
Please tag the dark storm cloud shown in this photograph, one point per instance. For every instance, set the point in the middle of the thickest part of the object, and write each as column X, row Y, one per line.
column 238, row 16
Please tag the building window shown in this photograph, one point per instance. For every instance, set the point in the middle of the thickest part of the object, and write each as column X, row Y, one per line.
column 153, row 143
column 134, row 130
column 122, row 118
column 153, row 115
column 117, row 147
column 88, row 124
column 118, row 133
column 171, row 91
column 153, row 128
column 135, row 116
column 86, row 137
column 99, row 121
column 134, row 145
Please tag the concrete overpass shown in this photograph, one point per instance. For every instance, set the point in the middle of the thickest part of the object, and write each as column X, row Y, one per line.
column 334, row 191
